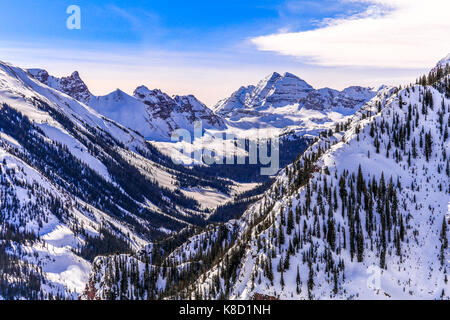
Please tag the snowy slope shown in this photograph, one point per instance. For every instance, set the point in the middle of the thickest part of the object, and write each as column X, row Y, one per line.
column 152, row 113
column 283, row 90
column 362, row 214
column 279, row 105
column 75, row 184
column 130, row 112
column 411, row 267
column 34, row 204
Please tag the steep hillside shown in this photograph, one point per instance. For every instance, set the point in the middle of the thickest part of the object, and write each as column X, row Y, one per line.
column 373, row 200
column 75, row 185
column 363, row 213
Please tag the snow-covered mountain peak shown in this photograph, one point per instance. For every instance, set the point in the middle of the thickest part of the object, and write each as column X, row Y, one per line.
column 114, row 100
column 275, row 90
column 298, row 82
column 275, row 77
column 71, row 85
column 148, row 96
column 177, row 111
column 279, row 90
column 144, row 90
column 75, row 75
column 156, row 96
column 118, row 95
column 286, row 90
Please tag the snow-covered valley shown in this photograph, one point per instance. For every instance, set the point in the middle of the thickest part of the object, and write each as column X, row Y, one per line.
column 92, row 205
column 362, row 214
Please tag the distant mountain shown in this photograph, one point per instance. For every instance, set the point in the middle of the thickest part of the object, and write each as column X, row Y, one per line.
column 274, row 91
column 131, row 113
column 150, row 112
column 277, row 91
column 72, row 85
column 280, row 104
column 363, row 213
column 75, row 184
column 347, row 101
column 178, row 111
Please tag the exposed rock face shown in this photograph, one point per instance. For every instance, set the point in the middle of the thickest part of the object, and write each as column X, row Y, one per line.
column 72, row 85
column 160, row 104
column 178, row 111
column 150, row 112
column 282, row 90
column 274, row 91
column 329, row 99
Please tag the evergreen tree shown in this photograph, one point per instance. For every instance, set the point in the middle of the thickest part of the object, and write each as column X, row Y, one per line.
column 298, row 281
column 444, row 241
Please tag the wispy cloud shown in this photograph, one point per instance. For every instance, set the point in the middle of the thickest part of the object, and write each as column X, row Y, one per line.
column 214, row 63
column 389, row 33
column 131, row 18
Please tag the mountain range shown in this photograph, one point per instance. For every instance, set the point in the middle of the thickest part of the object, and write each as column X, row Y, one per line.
column 93, row 207
column 71, row 177
column 363, row 213
column 278, row 105
column 278, row 90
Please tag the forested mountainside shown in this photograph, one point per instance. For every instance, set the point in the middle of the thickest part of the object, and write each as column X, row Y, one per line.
column 363, row 213
column 75, row 184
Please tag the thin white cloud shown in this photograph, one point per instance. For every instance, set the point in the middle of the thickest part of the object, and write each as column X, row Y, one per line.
column 389, row 34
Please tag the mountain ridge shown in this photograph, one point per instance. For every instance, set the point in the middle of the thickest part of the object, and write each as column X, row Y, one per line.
column 155, row 119
column 278, row 90
column 75, row 184
column 362, row 214
column 368, row 200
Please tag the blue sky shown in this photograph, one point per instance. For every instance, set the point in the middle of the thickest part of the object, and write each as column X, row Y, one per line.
column 173, row 24
column 208, row 48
